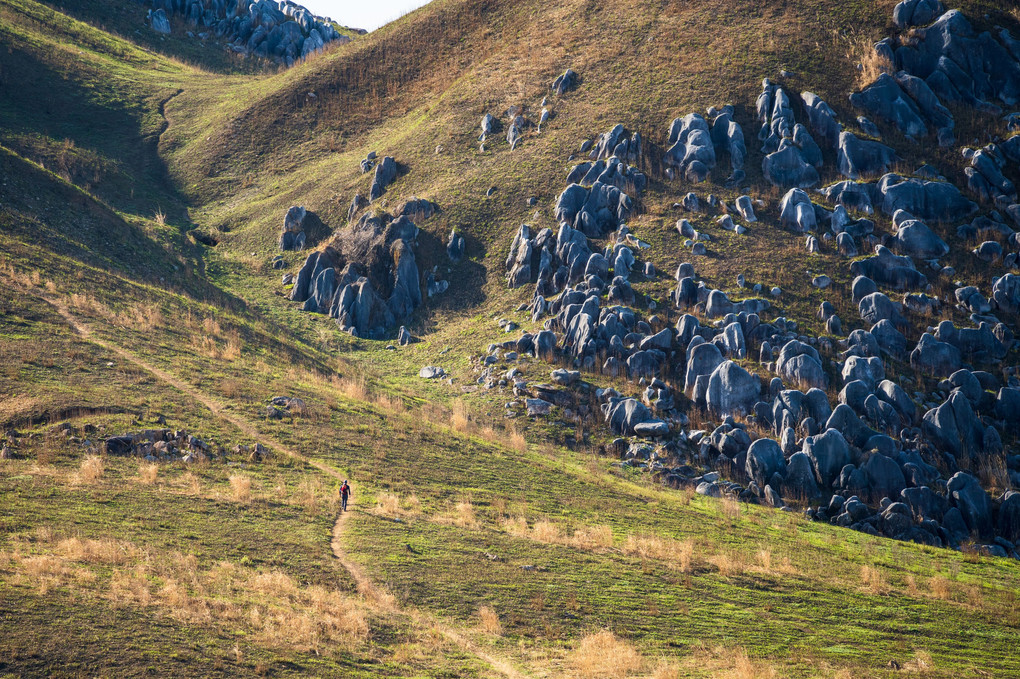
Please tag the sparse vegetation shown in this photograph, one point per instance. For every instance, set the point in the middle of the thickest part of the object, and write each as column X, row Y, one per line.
column 477, row 542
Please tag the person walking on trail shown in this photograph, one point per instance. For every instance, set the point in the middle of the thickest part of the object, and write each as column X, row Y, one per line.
column 345, row 492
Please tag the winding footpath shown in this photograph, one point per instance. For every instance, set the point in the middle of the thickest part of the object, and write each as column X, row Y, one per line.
column 371, row 592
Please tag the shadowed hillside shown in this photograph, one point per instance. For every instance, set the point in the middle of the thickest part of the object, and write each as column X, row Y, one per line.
column 228, row 287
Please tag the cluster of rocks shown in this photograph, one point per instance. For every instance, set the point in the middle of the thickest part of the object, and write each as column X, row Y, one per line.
column 280, row 30
column 944, row 62
column 792, row 157
column 168, row 445
column 367, row 278
column 293, row 236
column 694, row 146
column 927, row 199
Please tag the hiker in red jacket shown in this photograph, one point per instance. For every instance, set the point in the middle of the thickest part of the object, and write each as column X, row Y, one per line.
column 345, row 492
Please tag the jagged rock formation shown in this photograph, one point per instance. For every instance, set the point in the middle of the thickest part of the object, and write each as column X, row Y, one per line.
column 280, row 30
column 366, row 278
column 293, row 236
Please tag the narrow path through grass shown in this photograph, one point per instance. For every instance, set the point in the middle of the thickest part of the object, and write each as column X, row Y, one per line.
column 369, row 590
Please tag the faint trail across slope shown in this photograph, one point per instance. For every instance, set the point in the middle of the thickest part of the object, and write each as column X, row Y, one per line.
column 369, row 590
column 386, row 601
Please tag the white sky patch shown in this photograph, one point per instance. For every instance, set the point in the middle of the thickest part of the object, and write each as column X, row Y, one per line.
column 367, row 14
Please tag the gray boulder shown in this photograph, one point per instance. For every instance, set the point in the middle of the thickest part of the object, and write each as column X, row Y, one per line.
column 885, row 478
column 764, row 458
column 828, row 453
column 1009, row 516
column 565, row 82
column 385, row 173
column 966, row 494
column 935, row 358
column 624, row 414
column 954, row 428
column 915, row 239
column 732, row 390
column 909, row 13
column 858, row 158
column 159, row 21
column 927, row 200
column 786, row 168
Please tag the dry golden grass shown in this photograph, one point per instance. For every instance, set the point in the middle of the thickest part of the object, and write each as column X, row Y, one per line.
column 353, row 387
column 920, row 664
column 546, row 531
column 728, row 564
column 666, row 670
column 730, row 507
column 240, row 487
column 280, row 612
column 873, row 580
column 517, row 442
column 464, row 515
column 148, row 472
column 389, row 403
column 678, row 554
column 603, row 655
column 745, row 668
column 391, row 504
column 191, row 482
column 591, row 538
column 105, row 551
column 460, row 419
column 490, row 620
column 941, row 587
column 90, row 472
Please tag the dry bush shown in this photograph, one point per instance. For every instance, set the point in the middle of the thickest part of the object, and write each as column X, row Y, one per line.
column 46, row 571
column 727, row 563
column 975, row 595
column 234, row 345
column 105, row 551
column 192, row 483
column 745, row 668
column 147, row 473
column 353, row 387
column 212, row 327
column 130, row 586
column 592, row 537
column 392, row 404
column 678, row 554
column 517, row 442
column 516, row 526
column 240, row 486
column 546, row 531
column 387, row 504
column 490, row 620
column 873, row 580
column 459, row 418
column 941, row 587
column 666, row 670
column 731, row 508
column 603, row 655
column 91, row 470
column 464, row 515
column 765, row 560
column 921, row 663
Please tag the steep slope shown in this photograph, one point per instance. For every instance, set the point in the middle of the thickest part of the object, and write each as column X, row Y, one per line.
column 499, row 541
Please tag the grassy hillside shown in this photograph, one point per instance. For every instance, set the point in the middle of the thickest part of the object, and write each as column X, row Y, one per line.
column 142, row 194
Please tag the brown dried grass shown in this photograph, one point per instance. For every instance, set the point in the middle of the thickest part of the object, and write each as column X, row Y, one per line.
column 490, row 620
column 240, row 488
column 148, row 473
column 603, row 655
